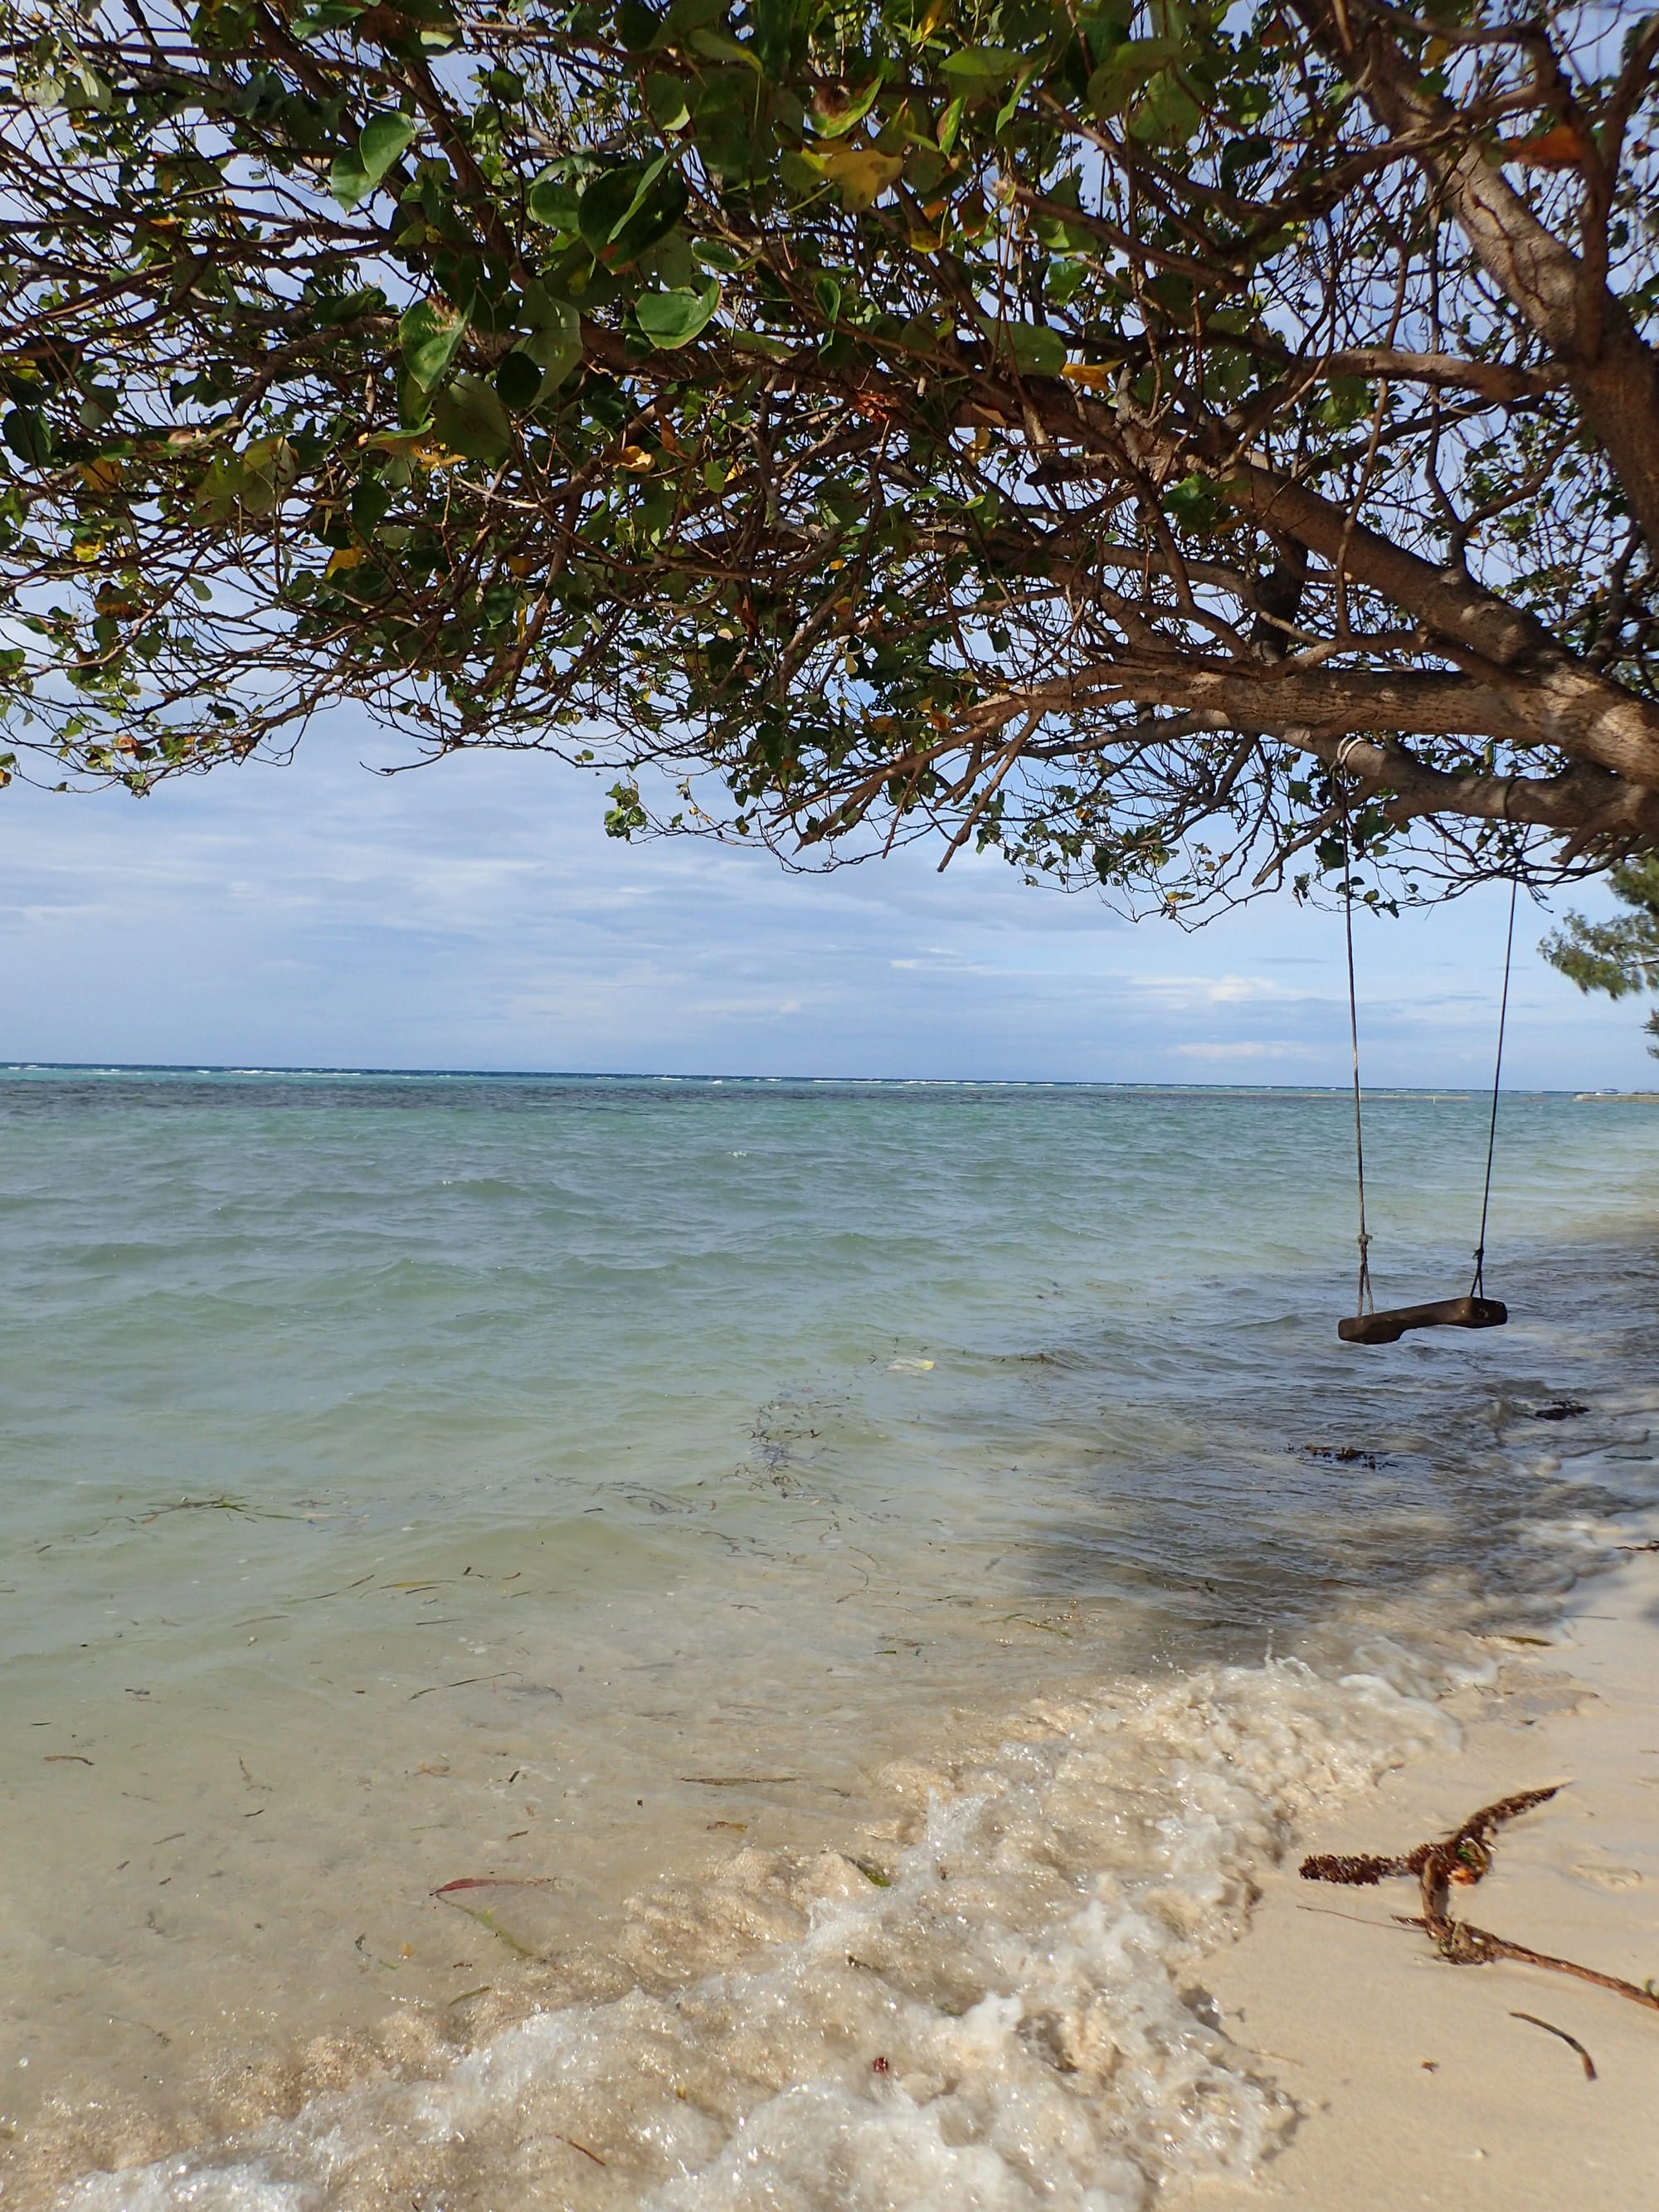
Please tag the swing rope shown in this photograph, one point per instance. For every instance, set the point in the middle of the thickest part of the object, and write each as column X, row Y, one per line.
column 1364, row 1302
column 1477, row 1287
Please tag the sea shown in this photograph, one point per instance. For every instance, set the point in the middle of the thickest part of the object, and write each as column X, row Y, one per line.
column 620, row 1641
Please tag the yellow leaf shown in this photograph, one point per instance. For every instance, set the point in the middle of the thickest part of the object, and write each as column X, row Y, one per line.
column 1092, row 378
column 634, row 458
column 100, row 476
column 860, row 173
column 349, row 557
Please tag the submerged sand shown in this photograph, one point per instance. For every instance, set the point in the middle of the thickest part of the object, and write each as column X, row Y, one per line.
column 1414, row 2083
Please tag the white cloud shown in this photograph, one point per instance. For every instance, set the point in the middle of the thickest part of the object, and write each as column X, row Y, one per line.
column 1184, row 992
column 476, row 915
column 1244, row 1048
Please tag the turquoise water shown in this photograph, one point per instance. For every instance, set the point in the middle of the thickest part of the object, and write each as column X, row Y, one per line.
column 585, row 1486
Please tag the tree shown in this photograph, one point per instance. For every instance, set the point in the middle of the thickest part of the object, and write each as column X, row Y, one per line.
column 1135, row 435
column 1621, row 956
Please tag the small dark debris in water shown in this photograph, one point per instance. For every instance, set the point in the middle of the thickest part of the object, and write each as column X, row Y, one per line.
column 880, row 2066
column 735, row 1781
column 1549, row 2028
column 1340, row 1455
column 497, row 1881
column 871, row 1872
column 583, row 2148
column 738, row 1827
column 1430, row 2065
column 1559, row 1409
column 66, row 1759
column 1652, row 1544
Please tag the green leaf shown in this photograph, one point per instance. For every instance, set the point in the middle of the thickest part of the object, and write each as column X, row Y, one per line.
column 670, row 319
column 1120, row 76
column 249, row 482
column 519, row 381
column 715, row 47
column 613, row 198
column 429, row 334
column 554, row 352
column 348, row 179
column 28, row 434
column 625, row 209
column 639, row 27
column 1168, row 115
column 555, row 343
column 328, row 16
column 549, row 311
column 1194, row 503
column 664, row 96
column 980, row 69
column 386, row 139
column 844, row 119
column 1034, row 348
column 551, row 201
column 470, row 419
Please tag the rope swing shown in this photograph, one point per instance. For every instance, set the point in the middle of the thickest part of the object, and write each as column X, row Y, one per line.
column 1366, row 1325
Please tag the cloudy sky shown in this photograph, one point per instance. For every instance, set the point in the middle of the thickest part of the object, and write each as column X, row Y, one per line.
column 474, row 916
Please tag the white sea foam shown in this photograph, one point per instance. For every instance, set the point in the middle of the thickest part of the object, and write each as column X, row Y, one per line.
column 1012, row 2017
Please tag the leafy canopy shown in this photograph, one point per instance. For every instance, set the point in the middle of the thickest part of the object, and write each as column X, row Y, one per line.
column 1136, row 435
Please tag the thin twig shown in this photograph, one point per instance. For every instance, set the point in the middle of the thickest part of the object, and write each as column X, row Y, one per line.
column 1549, row 2028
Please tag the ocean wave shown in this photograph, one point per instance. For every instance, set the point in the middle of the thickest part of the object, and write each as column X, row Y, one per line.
column 997, row 2011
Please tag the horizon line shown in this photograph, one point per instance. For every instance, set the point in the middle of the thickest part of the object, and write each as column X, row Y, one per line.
column 658, row 1075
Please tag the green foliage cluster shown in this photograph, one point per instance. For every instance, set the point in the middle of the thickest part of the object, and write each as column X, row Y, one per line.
column 1620, row 956
column 1104, row 430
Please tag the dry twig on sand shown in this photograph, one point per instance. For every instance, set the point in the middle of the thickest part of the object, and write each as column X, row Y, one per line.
column 1463, row 1858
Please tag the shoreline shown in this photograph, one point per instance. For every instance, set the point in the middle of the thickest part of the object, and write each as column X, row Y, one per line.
column 1412, row 2080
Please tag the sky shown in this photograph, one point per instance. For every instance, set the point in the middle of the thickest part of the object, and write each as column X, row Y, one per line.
column 473, row 915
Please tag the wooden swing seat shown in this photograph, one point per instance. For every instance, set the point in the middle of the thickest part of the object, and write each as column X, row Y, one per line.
column 1391, row 1324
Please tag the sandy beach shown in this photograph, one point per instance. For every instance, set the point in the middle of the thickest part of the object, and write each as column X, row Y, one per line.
column 1414, row 2083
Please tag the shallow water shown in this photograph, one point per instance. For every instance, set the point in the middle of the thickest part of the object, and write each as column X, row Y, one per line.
column 634, row 1499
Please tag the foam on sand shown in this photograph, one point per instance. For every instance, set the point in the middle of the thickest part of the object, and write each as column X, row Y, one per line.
column 998, row 2013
